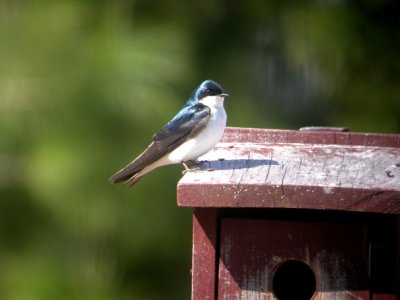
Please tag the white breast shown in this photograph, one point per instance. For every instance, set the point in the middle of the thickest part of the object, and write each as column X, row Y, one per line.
column 208, row 137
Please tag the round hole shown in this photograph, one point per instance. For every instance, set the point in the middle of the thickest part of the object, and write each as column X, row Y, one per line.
column 293, row 280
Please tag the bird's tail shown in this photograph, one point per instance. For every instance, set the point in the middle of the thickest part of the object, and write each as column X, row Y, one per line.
column 134, row 179
column 120, row 176
column 130, row 175
column 129, row 179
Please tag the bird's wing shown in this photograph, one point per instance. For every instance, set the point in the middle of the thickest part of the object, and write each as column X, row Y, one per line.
column 186, row 123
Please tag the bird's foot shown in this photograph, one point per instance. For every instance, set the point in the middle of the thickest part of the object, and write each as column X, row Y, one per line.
column 191, row 166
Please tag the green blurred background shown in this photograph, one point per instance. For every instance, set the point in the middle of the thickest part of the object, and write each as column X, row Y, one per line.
column 85, row 84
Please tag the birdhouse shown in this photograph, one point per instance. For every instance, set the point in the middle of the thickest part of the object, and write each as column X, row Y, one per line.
column 309, row 214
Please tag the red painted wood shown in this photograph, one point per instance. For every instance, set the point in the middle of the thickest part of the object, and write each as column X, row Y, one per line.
column 256, row 135
column 317, row 170
column 251, row 250
column 383, row 297
column 204, row 254
column 398, row 258
column 292, row 169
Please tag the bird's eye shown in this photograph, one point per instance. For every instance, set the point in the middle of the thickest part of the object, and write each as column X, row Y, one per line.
column 208, row 91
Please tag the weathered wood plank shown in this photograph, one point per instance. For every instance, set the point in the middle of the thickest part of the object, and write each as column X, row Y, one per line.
column 283, row 174
column 398, row 259
column 256, row 135
column 204, row 254
column 252, row 250
column 383, row 297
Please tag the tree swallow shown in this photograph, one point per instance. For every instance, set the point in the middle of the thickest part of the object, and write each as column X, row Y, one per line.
column 197, row 127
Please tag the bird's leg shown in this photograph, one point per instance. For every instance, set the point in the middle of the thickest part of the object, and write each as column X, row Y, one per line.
column 190, row 166
column 187, row 169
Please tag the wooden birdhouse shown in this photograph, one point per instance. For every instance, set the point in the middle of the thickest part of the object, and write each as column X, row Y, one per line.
column 296, row 215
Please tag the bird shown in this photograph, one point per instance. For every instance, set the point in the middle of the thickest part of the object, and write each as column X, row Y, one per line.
column 194, row 131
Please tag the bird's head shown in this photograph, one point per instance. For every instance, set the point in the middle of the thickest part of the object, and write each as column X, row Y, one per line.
column 208, row 93
column 209, row 88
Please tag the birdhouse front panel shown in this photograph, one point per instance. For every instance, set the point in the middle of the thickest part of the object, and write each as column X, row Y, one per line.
column 296, row 215
column 274, row 259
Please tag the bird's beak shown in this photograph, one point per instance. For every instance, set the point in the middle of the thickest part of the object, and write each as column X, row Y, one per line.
column 223, row 95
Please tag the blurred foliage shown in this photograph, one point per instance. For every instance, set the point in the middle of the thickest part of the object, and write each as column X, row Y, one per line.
column 85, row 84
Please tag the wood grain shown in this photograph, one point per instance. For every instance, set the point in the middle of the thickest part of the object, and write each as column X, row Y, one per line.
column 204, row 254
column 251, row 250
column 257, row 135
column 297, row 169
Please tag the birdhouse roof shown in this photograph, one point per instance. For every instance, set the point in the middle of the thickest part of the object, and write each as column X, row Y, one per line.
column 321, row 169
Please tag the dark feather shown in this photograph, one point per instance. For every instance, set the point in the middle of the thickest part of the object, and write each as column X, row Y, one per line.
column 184, row 125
